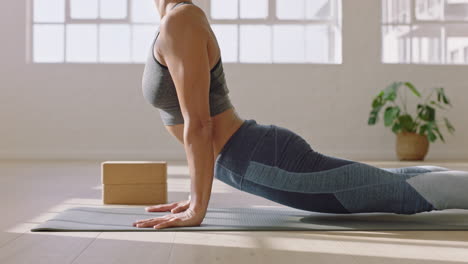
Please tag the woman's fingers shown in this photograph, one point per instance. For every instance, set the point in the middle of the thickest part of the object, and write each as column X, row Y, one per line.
column 180, row 208
column 168, row 207
column 169, row 223
column 186, row 218
column 178, row 213
column 177, row 209
column 152, row 221
column 161, row 207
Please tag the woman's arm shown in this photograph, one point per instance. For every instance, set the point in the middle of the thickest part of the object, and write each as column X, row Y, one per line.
column 185, row 51
column 183, row 41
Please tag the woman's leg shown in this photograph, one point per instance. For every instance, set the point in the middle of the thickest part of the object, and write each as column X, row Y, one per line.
column 416, row 169
column 279, row 165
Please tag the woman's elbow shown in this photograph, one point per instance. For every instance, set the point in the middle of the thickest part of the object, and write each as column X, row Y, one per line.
column 198, row 129
column 198, row 123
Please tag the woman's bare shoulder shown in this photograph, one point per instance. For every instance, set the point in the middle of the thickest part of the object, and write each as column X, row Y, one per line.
column 185, row 17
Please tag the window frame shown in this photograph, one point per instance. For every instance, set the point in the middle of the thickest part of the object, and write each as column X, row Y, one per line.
column 68, row 20
column 336, row 20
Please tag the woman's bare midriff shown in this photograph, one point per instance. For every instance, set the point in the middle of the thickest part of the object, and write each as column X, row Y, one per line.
column 225, row 125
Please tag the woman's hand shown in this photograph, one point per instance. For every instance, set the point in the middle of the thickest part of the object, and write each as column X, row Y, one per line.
column 181, row 215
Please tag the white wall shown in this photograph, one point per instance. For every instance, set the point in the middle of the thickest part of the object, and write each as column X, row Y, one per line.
column 75, row 111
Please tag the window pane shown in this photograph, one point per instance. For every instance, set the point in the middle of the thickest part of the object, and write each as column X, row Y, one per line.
column 49, row 10
column 456, row 10
column 144, row 11
column 442, row 10
column 288, row 43
column 457, row 44
column 426, row 44
column 318, row 43
column 114, row 43
column 255, row 43
column 48, row 43
column 81, row 43
column 396, row 42
column 396, row 11
column 142, row 38
column 429, row 9
column 253, row 8
column 336, row 46
column 113, row 9
column 318, row 9
column 290, row 9
column 224, row 9
column 226, row 36
column 84, row 9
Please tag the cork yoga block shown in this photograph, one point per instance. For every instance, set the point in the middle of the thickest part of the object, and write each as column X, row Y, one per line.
column 134, row 182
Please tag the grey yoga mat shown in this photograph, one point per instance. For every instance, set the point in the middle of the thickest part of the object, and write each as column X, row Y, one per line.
column 255, row 219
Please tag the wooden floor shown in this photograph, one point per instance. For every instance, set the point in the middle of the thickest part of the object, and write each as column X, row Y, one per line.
column 33, row 191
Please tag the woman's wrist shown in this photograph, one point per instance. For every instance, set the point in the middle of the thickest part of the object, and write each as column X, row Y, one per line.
column 198, row 207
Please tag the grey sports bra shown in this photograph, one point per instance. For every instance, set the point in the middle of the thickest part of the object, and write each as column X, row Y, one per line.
column 159, row 89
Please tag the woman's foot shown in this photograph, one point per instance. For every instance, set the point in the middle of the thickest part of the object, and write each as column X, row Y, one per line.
column 433, row 168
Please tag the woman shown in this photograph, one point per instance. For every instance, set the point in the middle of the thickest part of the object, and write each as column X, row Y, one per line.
column 184, row 79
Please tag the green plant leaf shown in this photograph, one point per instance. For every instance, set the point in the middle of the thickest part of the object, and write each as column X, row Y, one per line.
column 436, row 129
column 377, row 105
column 378, row 100
column 446, row 100
column 391, row 113
column 431, row 136
column 449, row 126
column 426, row 112
column 396, row 127
column 390, row 93
column 431, row 113
column 431, row 126
column 439, row 94
column 438, row 105
column 423, row 129
column 373, row 117
column 442, row 97
column 406, row 123
column 413, row 89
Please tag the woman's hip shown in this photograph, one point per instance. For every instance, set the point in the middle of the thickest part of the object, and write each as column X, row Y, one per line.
column 255, row 147
column 233, row 159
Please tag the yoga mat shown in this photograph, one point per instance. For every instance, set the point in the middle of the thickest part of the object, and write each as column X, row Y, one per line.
column 255, row 219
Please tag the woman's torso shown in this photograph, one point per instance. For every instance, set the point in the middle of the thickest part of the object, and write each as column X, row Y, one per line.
column 225, row 123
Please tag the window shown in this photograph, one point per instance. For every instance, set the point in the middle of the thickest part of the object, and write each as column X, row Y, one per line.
column 277, row 31
column 425, row 31
column 248, row 31
column 92, row 31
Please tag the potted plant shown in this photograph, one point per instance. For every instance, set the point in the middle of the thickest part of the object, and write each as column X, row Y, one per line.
column 414, row 131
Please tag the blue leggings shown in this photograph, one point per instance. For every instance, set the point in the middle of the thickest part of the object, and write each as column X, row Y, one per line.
column 276, row 163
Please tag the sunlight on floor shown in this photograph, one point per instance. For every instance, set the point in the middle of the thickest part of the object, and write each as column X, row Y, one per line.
column 379, row 246
column 409, row 244
column 308, row 242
